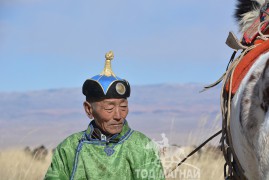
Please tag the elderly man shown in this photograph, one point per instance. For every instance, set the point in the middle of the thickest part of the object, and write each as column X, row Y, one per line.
column 109, row 148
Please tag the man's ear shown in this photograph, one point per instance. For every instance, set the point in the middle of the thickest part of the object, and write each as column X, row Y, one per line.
column 88, row 109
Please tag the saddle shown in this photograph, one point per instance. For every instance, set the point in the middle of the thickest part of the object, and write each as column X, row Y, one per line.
column 261, row 47
column 252, row 47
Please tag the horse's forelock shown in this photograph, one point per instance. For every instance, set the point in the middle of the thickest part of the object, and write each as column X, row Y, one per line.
column 246, row 11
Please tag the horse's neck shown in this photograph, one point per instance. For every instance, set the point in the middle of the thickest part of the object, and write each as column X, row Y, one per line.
column 242, row 149
column 247, row 119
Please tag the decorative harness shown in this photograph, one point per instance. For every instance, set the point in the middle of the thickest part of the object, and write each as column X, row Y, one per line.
column 254, row 43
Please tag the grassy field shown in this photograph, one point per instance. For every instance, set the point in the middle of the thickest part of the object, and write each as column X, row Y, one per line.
column 204, row 165
column 15, row 164
column 207, row 164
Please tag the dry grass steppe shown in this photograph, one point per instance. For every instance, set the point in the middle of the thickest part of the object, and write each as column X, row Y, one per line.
column 15, row 164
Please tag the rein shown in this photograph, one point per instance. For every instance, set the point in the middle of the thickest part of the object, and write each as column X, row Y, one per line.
column 232, row 168
column 226, row 146
column 195, row 150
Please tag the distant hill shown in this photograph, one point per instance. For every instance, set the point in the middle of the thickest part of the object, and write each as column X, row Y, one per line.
column 48, row 116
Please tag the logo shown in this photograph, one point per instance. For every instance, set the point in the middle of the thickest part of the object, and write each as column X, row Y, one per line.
column 170, row 157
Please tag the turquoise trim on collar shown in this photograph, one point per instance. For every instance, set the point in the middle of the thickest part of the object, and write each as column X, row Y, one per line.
column 114, row 139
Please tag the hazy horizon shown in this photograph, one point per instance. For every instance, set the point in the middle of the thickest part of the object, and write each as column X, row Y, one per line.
column 49, row 116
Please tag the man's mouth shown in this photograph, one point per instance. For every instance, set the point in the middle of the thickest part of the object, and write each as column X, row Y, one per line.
column 116, row 125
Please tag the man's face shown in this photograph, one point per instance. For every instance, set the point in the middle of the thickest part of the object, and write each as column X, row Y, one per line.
column 109, row 114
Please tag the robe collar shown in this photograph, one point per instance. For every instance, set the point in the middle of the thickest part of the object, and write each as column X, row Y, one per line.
column 93, row 133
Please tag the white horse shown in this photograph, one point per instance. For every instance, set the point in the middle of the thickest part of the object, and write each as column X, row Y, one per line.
column 249, row 113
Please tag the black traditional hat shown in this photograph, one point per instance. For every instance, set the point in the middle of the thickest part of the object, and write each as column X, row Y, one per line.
column 106, row 84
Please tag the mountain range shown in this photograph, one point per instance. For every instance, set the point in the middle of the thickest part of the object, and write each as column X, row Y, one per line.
column 180, row 111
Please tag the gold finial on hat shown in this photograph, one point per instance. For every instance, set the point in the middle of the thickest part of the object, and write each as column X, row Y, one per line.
column 107, row 69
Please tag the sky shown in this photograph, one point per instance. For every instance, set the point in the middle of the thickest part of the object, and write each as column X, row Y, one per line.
column 48, row 44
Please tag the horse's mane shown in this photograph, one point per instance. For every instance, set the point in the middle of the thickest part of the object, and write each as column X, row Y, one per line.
column 246, row 11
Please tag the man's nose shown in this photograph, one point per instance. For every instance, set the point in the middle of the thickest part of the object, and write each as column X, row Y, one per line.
column 117, row 115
